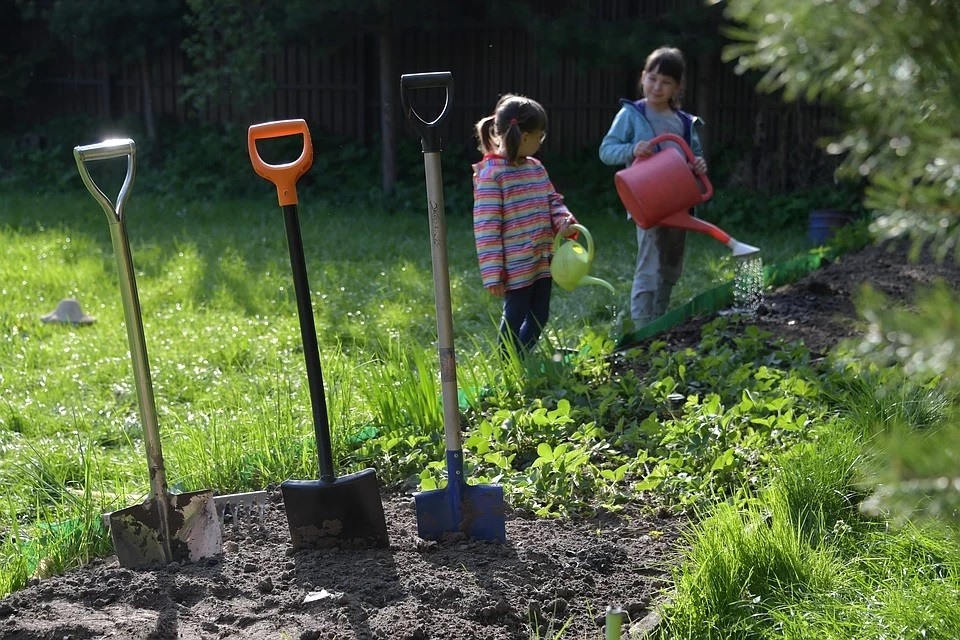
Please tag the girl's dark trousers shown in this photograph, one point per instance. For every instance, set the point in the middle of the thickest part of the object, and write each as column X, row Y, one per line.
column 525, row 313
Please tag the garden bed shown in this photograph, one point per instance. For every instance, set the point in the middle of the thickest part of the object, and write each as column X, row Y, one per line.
column 819, row 308
column 550, row 573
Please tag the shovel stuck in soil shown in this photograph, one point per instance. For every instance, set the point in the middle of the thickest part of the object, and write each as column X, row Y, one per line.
column 166, row 527
column 475, row 510
column 330, row 511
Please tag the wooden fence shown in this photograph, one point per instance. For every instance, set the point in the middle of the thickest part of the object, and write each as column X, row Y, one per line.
column 766, row 142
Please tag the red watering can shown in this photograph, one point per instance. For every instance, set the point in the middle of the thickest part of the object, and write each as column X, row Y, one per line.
column 662, row 188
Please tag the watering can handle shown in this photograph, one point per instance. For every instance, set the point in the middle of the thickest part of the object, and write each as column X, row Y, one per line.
column 428, row 130
column 559, row 238
column 284, row 176
column 688, row 153
column 586, row 234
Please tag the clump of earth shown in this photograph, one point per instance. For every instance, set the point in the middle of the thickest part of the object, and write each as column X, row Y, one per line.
column 553, row 577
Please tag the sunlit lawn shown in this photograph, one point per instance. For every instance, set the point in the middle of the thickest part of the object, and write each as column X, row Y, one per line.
column 223, row 340
column 219, row 312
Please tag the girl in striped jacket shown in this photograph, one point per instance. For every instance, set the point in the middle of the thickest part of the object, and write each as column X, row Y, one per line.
column 516, row 214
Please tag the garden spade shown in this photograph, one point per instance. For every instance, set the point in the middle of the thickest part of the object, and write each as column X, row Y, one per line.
column 329, row 511
column 476, row 510
column 166, row 527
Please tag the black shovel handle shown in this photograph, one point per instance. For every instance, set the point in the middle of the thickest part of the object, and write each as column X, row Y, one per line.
column 428, row 130
column 285, row 178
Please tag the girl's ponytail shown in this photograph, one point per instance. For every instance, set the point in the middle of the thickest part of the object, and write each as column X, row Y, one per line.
column 510, row 137
column 484, row 131
column 512, row 117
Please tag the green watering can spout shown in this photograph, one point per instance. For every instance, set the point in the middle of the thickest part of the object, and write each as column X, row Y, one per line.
column 571, row 262
column 597, row 281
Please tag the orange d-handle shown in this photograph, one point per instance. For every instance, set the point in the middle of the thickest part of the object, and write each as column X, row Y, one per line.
column 284, row 176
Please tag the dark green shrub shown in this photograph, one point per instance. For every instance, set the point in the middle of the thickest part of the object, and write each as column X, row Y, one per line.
column 196, row 161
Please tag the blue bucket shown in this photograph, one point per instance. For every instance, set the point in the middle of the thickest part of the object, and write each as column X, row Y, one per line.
column 823, row 223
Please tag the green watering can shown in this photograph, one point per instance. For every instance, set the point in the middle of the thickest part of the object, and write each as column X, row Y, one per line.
column 571, row 262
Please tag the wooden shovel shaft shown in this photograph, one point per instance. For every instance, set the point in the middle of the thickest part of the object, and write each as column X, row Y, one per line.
column 441, row 288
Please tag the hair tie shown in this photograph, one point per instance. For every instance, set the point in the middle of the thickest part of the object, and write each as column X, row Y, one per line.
column 513, row 121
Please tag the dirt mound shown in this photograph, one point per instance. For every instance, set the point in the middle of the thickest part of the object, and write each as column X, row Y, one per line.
column 549, row 572
column 820, row 308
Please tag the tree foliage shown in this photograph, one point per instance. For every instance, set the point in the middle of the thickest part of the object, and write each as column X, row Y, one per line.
column 107, row 30
column 891, row 67
column 225, row 43
column 226, row 40
column 18, row 62
column 583, row 32
column 118, row 33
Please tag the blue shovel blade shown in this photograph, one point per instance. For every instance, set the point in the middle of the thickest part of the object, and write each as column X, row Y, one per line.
column 474, row 510
column 480, row 513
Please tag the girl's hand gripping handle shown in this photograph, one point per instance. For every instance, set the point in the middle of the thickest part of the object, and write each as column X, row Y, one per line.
column 284, row 176
column 427, row 129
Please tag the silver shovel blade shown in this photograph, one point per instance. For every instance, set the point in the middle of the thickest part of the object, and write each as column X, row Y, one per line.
column 194, row 531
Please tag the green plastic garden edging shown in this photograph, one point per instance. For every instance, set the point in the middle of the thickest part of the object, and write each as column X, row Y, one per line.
column 721, row 297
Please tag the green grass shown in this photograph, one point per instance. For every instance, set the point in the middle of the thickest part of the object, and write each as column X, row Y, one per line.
column 803, row 561
column 224, row 349
column 775, row 454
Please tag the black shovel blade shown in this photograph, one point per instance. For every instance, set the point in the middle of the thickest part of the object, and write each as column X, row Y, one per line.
column 474, row 510
column 193, row 525
column 346, row 512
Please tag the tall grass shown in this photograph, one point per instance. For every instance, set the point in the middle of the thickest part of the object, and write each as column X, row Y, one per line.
column 223, row 343
column 404, row 390
column 802, row 562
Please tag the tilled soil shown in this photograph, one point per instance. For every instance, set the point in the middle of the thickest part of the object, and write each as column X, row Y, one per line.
column 820, row 308
column 550, row 573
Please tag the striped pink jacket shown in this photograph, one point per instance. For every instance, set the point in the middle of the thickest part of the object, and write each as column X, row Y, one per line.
column 516, row 213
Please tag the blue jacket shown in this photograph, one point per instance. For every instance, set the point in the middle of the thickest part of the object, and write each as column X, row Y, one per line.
column 630, row 126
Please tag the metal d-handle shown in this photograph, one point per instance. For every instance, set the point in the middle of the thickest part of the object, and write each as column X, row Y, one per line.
column 428, row 130
column 104, row 151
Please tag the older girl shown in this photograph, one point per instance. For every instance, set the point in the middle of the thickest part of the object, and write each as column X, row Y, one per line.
column 659, row 249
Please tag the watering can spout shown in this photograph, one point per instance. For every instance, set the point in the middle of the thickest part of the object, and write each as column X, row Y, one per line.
column 742, row 249
column 597, row 281
column 683, row 220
